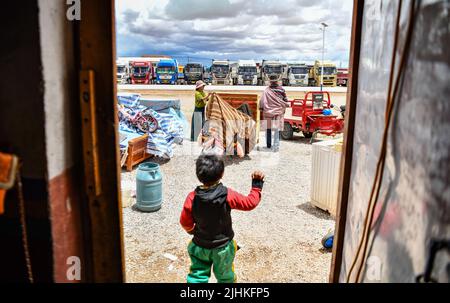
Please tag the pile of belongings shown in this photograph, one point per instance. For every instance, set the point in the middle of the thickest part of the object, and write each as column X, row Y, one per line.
column 228, row 130
column 162, row 120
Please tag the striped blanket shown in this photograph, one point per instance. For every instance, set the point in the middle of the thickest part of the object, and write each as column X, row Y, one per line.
column 273, row 103
column 231, row 124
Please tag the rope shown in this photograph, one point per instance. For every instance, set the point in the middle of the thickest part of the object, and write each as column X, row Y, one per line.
column 382, row 157
column 394, row 57
column 405, row 56
column 23, row 223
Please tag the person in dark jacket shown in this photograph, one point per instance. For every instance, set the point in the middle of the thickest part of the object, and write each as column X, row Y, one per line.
column 206, row 215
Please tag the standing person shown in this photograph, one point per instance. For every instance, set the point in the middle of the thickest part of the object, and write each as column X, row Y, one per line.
column 206, row 215
column 273, row 104
column 198, row 117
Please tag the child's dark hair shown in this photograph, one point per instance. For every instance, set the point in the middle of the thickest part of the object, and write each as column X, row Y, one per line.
column 209, row 168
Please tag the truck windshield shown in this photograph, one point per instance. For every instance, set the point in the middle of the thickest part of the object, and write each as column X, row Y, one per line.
column 299, row 70
column 140, row 69
column 327, row 70
column 247, row 70
column 220, row 69
column 193, row 69
column 166, row 70
column 273, row 69
column 121, row 69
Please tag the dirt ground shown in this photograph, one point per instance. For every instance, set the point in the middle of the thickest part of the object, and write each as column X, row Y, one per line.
column 280, row 239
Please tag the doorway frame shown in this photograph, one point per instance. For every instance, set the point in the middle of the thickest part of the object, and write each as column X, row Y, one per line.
column 347, row 149
column 97, row 53
column 97, row 57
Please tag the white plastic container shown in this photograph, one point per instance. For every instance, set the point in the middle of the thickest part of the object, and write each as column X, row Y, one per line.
column 326, row 159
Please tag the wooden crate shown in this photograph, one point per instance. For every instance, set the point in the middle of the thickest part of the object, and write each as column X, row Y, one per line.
column 237, row 100
column 137, row 152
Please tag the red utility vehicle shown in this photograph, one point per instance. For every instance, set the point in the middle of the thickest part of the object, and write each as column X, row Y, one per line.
column 312, row 115
column 141, row 72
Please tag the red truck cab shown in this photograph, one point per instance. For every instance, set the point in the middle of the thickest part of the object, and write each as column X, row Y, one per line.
column 342, row 76
column 141, row 72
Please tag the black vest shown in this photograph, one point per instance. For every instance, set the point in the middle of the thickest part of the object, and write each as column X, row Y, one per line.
column 212, row 217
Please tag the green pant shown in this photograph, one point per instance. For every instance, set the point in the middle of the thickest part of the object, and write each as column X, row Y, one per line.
column 221, row 259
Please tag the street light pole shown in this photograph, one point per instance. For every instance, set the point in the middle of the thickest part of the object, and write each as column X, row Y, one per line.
column 323, row 53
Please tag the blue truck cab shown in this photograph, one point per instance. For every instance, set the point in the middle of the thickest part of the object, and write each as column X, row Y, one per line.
column 167, row 72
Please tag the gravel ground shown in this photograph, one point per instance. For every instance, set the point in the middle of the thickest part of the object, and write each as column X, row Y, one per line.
column 280, row 239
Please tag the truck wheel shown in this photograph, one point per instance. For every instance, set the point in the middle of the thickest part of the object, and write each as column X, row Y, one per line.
column 288, row 132
column 307, row 134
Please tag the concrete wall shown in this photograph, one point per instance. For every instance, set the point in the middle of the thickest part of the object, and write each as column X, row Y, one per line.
column 59, row 75
column 61, row 125
column 185, row 93
column 39, row 123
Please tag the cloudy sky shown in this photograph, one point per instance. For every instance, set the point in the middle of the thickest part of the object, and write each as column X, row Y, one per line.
column 234, row 29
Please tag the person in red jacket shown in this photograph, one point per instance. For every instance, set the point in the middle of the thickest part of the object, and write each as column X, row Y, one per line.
column 206, row 215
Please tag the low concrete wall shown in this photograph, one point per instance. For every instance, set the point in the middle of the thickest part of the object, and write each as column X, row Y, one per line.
column 185, row 93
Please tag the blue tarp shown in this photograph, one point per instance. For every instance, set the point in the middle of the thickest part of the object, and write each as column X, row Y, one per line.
column 128, row 99
column 161, row 105
column 172, row 124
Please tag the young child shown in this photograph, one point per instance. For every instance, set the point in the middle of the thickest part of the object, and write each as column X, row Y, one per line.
column 207, row 216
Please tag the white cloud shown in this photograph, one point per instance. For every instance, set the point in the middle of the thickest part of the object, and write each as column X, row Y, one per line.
column 235, row 29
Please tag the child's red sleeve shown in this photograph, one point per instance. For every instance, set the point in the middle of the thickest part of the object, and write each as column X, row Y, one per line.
column 186, row 219
column 241, row 202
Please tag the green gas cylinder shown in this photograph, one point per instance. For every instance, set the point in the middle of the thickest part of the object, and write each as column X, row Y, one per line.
column 148, row 187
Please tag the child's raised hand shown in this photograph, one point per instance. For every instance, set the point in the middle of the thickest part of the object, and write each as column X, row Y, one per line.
column 258, row 175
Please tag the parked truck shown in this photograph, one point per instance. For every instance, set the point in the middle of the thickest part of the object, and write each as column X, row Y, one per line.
column 342, row 76
column 123, row 72
column 270, row 68
column 167, row 72
column 298, row 74
column 207, row 75
column 234, row 66
column 180, row 74
column 329, row 74
column 193, row 72
column 247, row 73
column 141, row 72
column 221, row 72
column 285, row 74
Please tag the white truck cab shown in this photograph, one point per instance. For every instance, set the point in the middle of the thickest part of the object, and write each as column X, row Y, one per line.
column 247, row 73
column 298, row 74
column 271, row 68
column 123, row 72
column 221, row 72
